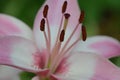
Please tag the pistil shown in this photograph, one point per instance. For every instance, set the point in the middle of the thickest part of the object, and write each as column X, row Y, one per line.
column 70, row 37
column 64, row 7
column 64, row 51
column 67, row 16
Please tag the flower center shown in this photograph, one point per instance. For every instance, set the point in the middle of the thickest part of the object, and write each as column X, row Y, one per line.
column 57, row 53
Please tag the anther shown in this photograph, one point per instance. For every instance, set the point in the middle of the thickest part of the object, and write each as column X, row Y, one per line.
column 64, row 7
column 81, row 18
column 45, row 11
column 42, row 25
column 84, row 34
column 62, row 35
column 67, row 15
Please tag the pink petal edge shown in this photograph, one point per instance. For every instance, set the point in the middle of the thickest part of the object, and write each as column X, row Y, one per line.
column 10, row 25
column 103, row 45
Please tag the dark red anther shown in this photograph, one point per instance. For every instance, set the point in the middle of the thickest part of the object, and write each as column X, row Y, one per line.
column 45, row 11
column 81, row 18
column 84, row 34
column 62, row 35
column 67, row 15
column 64, row 7
column 42, row 25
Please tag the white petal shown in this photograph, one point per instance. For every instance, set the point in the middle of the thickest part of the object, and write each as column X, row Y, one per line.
column 88, row 66
column 19, row 52
column 36, row 78
column 9, row 73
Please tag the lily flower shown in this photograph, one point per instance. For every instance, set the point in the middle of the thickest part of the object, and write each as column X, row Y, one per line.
column 57, row 48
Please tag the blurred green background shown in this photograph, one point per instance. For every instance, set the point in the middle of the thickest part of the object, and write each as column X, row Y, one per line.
column 101, row 16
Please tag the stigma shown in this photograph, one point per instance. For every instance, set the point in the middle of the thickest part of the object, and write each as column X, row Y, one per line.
column 59, row 50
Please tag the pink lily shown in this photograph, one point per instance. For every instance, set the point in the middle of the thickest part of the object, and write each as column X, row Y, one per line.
column 55, row 50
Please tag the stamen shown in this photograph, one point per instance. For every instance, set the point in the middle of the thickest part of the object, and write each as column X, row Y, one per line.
column 71, row 46
column 62, row 35
column 84, row 34
column 67, row 15
column 42, row 25
column 46, row 40
column 57, row 48
column 67, row 42
column 49, row 33
column 45, row 11
column 59, row 31
column 59, row 57
column 64, row 7
column 81, row 17
column 42, row 28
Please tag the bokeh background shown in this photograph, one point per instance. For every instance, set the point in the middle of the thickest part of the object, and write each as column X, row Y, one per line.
column 102, row 17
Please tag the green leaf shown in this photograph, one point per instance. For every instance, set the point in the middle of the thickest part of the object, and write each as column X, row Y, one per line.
column 26, row 76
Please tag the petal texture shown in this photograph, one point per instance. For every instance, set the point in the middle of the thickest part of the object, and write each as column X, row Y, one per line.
column 54, row 18
column 12, row 26
column 103, row 45
column 105, row 70
column 9, row 73
column 19, row 52
column 36, row 78
column 88, row 66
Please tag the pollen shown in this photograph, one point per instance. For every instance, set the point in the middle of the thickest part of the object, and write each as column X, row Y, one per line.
column 81, row 18
column 84, row 34
column 62, row 35
column 45, row 11
column 64, row 7
column 42, row 25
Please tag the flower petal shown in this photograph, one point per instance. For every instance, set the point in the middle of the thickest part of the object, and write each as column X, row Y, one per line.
column 7, row 73
column 88, row 66
column 36, row 78
column 12, row 26
column 54, row 18
column 19, row 52
column 103, row 45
